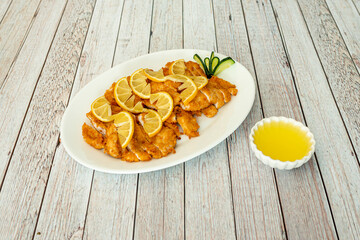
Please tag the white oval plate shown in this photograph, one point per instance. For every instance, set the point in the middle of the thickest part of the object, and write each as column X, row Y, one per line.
column 212, row 130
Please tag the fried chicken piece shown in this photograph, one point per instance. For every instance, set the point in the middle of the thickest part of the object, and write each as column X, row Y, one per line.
column 193, row 69
column 109, row 94
column 210, row 111
column 97, row 124
column 214, row 95
column 199, row 102
column 174, row 127
column 165, row 141
column 129, row 156
column 116, row 109
column 196, row 113
column 144, row 140
column 187, row 122
column 168, row 87
column 217, row 91
column 112, row 143
column 172, row 118
column 92, row 137
column 224, row 84
column 136, row 144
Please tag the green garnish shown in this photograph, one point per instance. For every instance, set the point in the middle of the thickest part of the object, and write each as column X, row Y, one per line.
column 212, row 65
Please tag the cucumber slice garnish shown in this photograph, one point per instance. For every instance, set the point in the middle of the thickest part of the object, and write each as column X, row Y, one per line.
column 201, row 63
column 213, row 66
column 224, row 64
column 207, row 63
column 215, row 61
column 212, row 55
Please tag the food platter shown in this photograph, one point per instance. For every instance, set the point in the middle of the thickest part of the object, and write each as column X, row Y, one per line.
column 212, row 130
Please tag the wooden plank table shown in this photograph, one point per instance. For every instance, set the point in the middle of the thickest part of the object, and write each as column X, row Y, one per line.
column 305, row 58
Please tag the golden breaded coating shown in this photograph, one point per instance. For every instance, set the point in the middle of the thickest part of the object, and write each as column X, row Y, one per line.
column 112, row 143
column 193, row 69
column 109, row 94
column 165, row 141
column 199, row 102
column 210, row 111
column 92, row 137
column 187, row 122
column 136, row 145
column 163, row 87
column 97, row 124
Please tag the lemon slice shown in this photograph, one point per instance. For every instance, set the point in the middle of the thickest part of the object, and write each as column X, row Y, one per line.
column 139, row 84
column 101, row 109
column 177, row 67
column 151, row 121
column 200, row 81
column 157, row 76
column 188, row 87
column 164, row 104
column 124, row 123
column 125, row 97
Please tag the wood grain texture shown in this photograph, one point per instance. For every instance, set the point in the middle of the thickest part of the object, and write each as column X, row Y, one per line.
column 339, row 68
column 208, row 198
column 66, row 174
column 256, row 204
column 303, row 185
column 357, row 5
column 347, row 18
column 4, row 6
column 64, row 207
column 17, row 90
column 112, row 201
column 161, row 193
column 338, row 165
column 111, row 207
column 26, row 179
column 14, row 28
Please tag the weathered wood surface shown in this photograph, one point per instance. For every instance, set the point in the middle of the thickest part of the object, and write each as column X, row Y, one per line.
column 208, row 198
column 17, row 93
column 14, row 28
column 59, row 202
column 32, row 158
column 338, row 65
column 162, row 191
column 337, row 163
column 256, row 204
column 4, row 6
column 304, row 55
column 279, row 97
column 116, row 216
column 347, row 18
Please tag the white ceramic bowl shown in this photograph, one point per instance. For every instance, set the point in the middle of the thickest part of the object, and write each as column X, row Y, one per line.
column 274, row 163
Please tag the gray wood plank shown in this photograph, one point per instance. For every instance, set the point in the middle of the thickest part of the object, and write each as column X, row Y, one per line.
column 301, row 190
column 208, row 198
column 119, row 191
column 347, row 18
column 338, row 165
column 26, row 179
column 161, row 193
column 338, row 65
column 357, row 5
column 14, row 28
column 4, row 6
column 17, row 90
column 64, row 207
column 65, row 203
column 256, row 204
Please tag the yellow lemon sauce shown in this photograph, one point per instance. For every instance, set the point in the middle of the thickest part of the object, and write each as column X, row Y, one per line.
column 282, row 141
